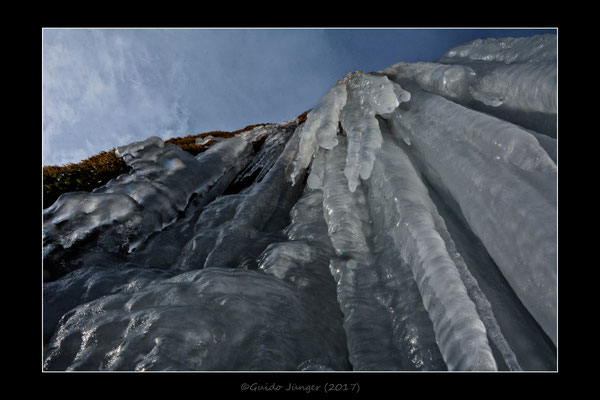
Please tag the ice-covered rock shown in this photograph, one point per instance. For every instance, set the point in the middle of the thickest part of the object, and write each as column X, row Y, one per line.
column 122, row 214
column 410, row 223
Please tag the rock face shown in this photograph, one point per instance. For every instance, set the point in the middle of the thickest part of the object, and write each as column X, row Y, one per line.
column 410, row 223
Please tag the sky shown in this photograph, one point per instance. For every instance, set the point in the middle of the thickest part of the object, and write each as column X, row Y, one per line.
column 104, row 88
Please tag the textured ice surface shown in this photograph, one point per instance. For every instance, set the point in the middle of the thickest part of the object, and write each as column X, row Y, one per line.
column 450, row 81
column 233, row 230
column 536, row 48
column 521, row 334
column 408, row 224
column 90, row 283
column 530, row 87
column 524, row 93
column 275, row 138
column 524, row 86
column 211, row 319
column 516, row 79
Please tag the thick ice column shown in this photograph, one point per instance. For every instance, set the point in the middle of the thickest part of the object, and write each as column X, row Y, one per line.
column 523, row 93
column 484, row 308
column 518, row 334
column 412, row 330
column 549, row 144
column 505, row 185
column 530, row 87
column 516, row 79
column 451, row 81
column 527, row 87
column 537, row 48
column 411, row 219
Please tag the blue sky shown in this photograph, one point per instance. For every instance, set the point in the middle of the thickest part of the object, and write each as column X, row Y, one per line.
column 103, row 88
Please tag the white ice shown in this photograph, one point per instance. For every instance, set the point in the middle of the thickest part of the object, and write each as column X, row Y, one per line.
column 320, row 128
column 411, row 216
column 505, row 185
column 353, row 102
column 537, row 48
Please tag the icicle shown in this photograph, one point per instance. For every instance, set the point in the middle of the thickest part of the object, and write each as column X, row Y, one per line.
column 460, row 333
column 365, row 318
column 320, row 128
column 317, row 170
column 354, row 102
column 368, row 95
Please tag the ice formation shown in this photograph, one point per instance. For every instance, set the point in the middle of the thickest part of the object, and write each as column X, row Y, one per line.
column 409, row 224
column 352, row 103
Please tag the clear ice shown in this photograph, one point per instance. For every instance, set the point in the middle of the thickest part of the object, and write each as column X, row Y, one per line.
column 409, row 224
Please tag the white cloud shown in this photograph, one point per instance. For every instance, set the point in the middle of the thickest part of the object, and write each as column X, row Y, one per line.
column 105, row 88
column 98, row 93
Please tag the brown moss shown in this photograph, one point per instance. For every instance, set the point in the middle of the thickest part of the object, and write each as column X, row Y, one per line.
column 302, row 117
column 188, row 143
column 83, row 176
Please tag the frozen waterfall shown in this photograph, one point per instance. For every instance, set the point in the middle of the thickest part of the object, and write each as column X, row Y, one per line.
column 409, row 224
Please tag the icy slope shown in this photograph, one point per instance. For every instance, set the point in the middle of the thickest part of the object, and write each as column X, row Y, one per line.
column 408, row 224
